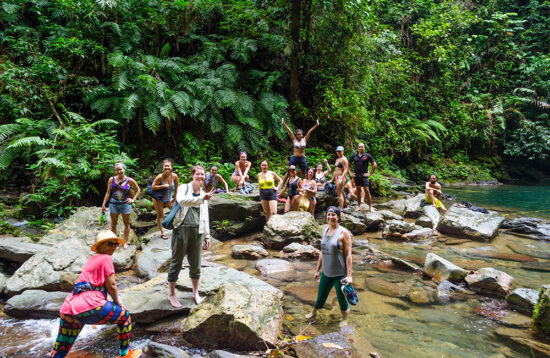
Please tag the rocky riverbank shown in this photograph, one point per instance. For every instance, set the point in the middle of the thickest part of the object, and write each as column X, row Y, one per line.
column 258, row 286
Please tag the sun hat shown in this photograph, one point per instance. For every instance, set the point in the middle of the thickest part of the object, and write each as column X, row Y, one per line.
column 339, row 148
column 104, row 236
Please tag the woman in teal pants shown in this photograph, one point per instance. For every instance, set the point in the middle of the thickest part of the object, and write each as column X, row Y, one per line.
column 335, row 262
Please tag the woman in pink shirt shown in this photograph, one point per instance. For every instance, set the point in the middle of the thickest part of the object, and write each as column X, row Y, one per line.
column 87, row 303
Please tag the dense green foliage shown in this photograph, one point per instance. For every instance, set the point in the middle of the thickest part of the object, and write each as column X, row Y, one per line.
column 84, row 83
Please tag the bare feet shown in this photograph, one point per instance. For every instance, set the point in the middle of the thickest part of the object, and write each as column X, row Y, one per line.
column 174, row 301
column 343, row 323
column 358, row 207
column 197, row 298
column 310, row 317
column 125, row 245
column 371, row 209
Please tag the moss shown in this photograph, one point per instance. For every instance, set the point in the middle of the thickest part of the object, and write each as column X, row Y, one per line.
column 235, row 197
column 541, row 313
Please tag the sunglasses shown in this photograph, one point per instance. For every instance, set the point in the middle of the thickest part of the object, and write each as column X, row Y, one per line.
column 292, row 170
column 112, row 243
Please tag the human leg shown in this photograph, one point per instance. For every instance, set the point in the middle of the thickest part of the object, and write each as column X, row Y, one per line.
column 236, row 179
column 342, row 302
column 69, row 329
column 194, row 252
column 159, row 208
column 265, row 206
column 311, row 208
column 126, row 221
column 325, row 284
column 178, row 253
column 369, row 198
column 340, row 183
column 295, row 202
column 114, row 220
column 272, row 207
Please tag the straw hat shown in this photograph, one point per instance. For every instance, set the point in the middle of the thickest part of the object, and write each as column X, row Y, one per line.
column 104, row 236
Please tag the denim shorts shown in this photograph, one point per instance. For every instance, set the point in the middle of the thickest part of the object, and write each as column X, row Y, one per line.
column 120, row 208
column 300, row 163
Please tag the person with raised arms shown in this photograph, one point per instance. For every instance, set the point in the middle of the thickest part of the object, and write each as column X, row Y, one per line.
column 191, row 228
column 361, row 175
column 298, row 158
column 120, row 199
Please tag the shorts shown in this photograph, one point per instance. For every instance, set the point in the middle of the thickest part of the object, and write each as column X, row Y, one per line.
column 268, row 194
column 120, row 208
column 299, row 162
column 361, row 180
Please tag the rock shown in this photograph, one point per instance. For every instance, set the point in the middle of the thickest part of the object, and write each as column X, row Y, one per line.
column 67, row 280
column 533, row 346
column 269, row 266
column 440, row 269
column 422, row 295
column 43, row 270
column 147, row 302
column 424, row 221
column 145, row 204
column 3, row 280
column 223, row 354
column 396, row 228
column 462, row 222
column 431, row 212
column 386, row 288
column 537, row 249
column 299, row 251
column 124, row 258
column 534, row 227
column 422, row 234
column 373, row 221
column 343, row 344
column 241, row 213
column 523, row 300
column 250, row 252
column 490, row 282
column 35, row 304
column 353, row 224
column 154, row 256
column 236, row 317
column 154, row 349
column 541, row 314
column 536, row 266
column 12, row 249
column 412, row 207
column 324, row 201
column 447, row 291
column 388, row 215
column 293, row 226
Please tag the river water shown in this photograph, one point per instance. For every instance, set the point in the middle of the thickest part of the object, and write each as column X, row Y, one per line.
column 394, row 325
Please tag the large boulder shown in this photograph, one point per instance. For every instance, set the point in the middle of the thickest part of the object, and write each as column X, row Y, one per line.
column 159, row 350
column 124, row 258
column 535, row 227
column 541, row 314
column 269, row 266
column 241, row 214
column 398, row 228
column 250, row 252
column 294, row 226
column 490, row 282
column 523, row 300
column 17, row 250
column 43, row 270
column 3, row 279
column 462, row 222
column 424, row 221
column 355, row 225
column 432, row 213
column 412, row 207
column 299, row 251
column 237, row 317
column 35, row 304
column 388, row 215
column 422, row 234
column 440, row 269
column 373, row 221
column 324, row 201
column 153, row 257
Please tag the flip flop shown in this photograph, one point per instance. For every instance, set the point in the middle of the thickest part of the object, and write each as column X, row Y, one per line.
column 164, row 237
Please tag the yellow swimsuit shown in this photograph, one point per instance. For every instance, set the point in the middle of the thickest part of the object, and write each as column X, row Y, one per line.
column 437, row 203
column 268, row 182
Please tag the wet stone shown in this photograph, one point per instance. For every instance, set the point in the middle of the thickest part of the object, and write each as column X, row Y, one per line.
column 536, row 266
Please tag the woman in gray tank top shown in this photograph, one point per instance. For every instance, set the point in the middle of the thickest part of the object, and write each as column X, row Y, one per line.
column 335, row 262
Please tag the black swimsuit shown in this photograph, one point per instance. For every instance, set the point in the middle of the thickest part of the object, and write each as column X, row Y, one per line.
column 293, row 188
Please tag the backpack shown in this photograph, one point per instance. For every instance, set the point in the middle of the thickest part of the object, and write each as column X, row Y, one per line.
column 330, row 189
column 246, row 189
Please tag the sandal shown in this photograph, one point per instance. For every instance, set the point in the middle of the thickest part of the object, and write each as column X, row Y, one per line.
column 164, row 237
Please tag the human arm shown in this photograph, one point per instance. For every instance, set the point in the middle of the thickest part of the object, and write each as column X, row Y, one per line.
column 278, row 178
column 292, row 137
column 319, row 266
column 176, row 180
column 374, row 166
column 137, row 190
column 157, row 183
column 220, row 178
column 185, row 199
column 346, row 244
column 107, row 195
column 311, row 130
column 110, row 285
column 246, row 169
column 327, row 172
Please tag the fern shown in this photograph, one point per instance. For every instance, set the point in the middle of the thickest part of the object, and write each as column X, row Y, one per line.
column 27, row 142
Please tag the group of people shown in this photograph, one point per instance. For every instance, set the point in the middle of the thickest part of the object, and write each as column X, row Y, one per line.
column 88, row 304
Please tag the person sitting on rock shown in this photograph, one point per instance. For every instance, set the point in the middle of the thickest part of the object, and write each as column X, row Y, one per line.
column 309, row 190
column 88, row 304
column 334, row 266
column 212, row 179
column 433, row 192
column 240, row 176
column 191, row 227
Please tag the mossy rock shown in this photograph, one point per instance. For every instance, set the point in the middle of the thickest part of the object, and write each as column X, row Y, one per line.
column 541, row 313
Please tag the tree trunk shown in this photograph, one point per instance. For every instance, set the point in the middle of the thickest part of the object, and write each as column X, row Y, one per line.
column 295, row 52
